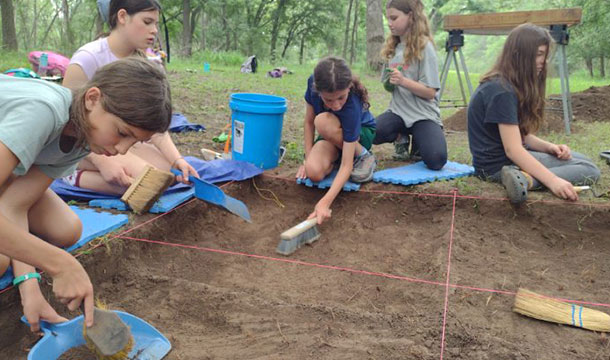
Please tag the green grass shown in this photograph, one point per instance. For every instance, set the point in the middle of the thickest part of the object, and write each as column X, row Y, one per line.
column 579, row 81
column 204, row 98
column 11, row 59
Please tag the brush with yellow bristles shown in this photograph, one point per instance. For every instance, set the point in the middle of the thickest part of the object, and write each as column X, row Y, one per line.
column 146, row 189
column 109, row 338
column 543, row 308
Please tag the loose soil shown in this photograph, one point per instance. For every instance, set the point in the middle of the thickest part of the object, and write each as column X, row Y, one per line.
column 213, row 300
column 78, row 353
column 588, row 106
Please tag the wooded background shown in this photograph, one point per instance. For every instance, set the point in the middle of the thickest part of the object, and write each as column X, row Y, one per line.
column 289, row 31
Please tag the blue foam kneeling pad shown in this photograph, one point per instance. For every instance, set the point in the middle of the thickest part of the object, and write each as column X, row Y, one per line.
column 328, row 181
column 95, row 224
column 165, row 203
column 418, row 173
column 149, row 343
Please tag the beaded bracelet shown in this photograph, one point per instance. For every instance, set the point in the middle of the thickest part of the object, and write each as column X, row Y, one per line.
column 19, row 279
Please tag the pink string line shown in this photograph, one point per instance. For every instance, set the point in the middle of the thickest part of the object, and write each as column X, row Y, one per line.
column 448, row 274
column 350, row 270
column 115, row 236
column 471, row 197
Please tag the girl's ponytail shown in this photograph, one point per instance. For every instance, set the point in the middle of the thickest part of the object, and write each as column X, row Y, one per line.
column 359, row 89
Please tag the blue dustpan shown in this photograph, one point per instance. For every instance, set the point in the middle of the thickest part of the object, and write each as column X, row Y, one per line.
column 149, row 343
column 213, row 194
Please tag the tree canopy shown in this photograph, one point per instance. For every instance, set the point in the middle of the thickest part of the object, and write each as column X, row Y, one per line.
column 288, row 30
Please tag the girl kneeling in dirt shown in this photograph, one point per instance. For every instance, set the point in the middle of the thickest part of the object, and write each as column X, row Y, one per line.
column 504, row 113
column 133, row 28
column 45, row 129
column 337, row 108
column 412, row 77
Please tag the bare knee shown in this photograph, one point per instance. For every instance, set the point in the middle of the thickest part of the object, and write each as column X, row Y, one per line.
column 314, row 171
column 5, row 261
column 69, row 233
column 329, row 126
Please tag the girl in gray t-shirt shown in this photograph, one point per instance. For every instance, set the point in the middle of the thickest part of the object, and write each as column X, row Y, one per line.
column 45, row 129
column 412, row 76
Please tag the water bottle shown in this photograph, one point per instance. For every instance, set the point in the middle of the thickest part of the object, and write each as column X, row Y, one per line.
column 206, row 67
column 43, row 64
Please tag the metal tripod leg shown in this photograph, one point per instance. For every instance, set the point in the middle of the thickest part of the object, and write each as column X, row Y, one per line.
column 565, row 88
column 445, row 72
column 564, row 50
column 459, row 76
column 465, row 71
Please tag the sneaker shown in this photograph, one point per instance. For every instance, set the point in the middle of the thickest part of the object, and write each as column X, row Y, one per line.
column 414, row 154
column 401, row 151
column 364, row 166
column 515, row 183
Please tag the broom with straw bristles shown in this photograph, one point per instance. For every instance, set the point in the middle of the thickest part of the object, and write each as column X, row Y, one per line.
column 543, row 308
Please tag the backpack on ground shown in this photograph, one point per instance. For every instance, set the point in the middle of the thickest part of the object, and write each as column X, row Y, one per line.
column 250, row 65
column 56, row 63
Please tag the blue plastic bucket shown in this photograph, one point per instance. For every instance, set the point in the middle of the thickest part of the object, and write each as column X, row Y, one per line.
column 256, row 128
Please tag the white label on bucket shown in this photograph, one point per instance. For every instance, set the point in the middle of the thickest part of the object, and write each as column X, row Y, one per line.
column 238, row 137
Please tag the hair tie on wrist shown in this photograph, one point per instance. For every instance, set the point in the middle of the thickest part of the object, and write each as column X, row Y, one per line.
column 19, row 279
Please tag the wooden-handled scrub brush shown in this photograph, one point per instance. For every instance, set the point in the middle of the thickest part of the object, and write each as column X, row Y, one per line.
column 146, row 189
column 305, row 232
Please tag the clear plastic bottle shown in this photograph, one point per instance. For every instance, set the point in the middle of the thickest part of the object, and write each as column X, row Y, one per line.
column 43, row 64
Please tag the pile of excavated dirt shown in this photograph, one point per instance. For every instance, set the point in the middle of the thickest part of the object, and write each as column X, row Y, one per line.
column 590, row 105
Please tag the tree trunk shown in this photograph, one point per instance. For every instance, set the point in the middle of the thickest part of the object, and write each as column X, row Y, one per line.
column 9, row 34
column 352, row 56
column 292, row 33
column 68, row 39
column 99, row 24
column 22, row 16
column 347, row 26
column 589, row 63
column 35, row 25
column 186, row 28
column 602, row 66
column 279, row 11
column 204, row 25
column 194, row 19
column 46, row 33
column 302, row 48
column 225, row 27
column 374, row 34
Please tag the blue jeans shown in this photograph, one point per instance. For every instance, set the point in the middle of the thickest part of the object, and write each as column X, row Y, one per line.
column 579, row 170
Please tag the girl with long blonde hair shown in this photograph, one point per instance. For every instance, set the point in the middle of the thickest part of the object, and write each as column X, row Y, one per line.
column 412, row 76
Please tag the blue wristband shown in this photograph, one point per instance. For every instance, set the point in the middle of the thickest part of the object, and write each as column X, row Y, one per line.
column 19, row 279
